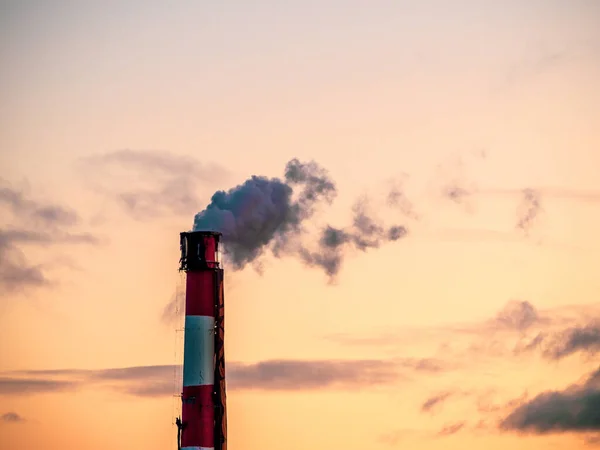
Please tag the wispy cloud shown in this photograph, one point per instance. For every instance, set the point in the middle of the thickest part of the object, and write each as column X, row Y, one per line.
column 150, row 182
column 451, row 429
column 435, row 401
column 306, row 375
column 37, row 214
column 12, row 417
column 574, row 409
column 33, row 225
column 271, row 375
column 516, row 316
column 26, row 386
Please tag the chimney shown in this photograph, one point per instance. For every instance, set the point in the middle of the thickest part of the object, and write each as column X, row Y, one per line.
column 203, row 423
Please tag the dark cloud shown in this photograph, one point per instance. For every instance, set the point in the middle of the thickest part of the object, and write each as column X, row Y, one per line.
column 574, row 339
column 11, row 417
column 435, row 401
column 149, row 182
column 35, row 225
column 561, row 344
column 575, row 409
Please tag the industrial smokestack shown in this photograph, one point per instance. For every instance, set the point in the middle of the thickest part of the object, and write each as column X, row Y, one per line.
column 203, row 423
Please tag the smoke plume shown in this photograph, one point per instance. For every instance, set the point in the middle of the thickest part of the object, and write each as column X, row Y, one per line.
column 365, row 233
column 268, row 214
column 261, row 213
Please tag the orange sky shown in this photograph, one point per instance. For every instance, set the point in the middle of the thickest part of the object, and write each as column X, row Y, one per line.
column 421, row 95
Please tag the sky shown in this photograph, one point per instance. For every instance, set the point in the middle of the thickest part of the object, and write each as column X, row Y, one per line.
column 471, row 126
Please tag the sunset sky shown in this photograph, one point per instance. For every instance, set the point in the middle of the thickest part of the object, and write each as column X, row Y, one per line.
column 480, row 328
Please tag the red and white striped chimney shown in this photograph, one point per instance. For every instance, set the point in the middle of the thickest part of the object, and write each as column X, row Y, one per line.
column 203, row 415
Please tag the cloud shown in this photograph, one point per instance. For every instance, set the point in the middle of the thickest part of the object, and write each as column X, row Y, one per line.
column 20, row 236
column 574, row 409
column 133, row 373
column 150, row 183
column 271, row 375
column 435, row 400
column 140, row 381
column 561, row 344
column 11, row 417
column 529, row 209
column 308, row 375
column 37, row 214
column 451, row 429
column 517, row 315
column 16, row 273
column 28, row 386
column 34, row 225
column 431, row 365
